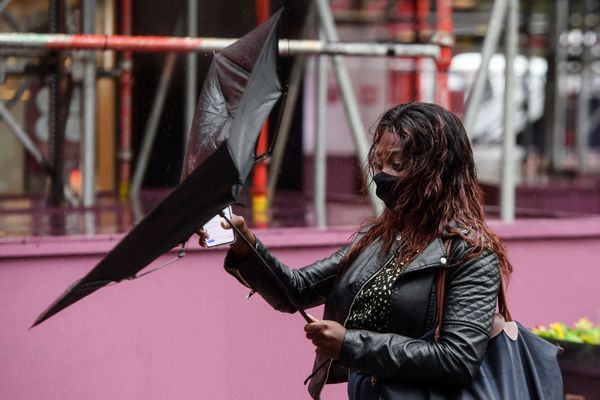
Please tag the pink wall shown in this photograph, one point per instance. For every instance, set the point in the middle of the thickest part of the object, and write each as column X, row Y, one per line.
column 187, row 333
column 556, row 269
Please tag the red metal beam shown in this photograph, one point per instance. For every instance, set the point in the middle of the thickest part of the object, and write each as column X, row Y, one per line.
column 131, row 43
column 125, row 89
column 260, row 202
column 423, row 8
column 404, row 83
column 156, row 44
column 446, row 40
column 111, row 42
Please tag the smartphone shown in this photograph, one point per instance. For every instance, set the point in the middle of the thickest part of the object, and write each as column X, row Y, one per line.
column 216, row 234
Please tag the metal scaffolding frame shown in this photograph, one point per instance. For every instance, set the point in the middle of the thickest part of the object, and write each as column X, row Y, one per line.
column 503, row 18
column 159, row 44
column 505, row 14
column 440, row 49
column 19, row 42
column 153, row 122
column 89, row 109
column 329, row 31
column 124, row 155
column 320, row 152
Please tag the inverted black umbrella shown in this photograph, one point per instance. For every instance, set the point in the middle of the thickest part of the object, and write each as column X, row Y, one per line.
column 241, row 89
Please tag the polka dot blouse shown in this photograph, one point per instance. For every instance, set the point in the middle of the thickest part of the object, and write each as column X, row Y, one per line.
column 371, row 307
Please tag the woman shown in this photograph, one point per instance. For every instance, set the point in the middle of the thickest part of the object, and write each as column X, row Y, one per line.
column 379, row 291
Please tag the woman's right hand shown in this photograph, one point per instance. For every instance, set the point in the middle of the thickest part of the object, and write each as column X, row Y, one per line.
column 239, row 247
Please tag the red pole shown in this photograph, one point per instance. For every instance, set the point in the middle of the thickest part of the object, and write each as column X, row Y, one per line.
column 402, row 81
column 126, row 87
column 446, row 40
column 260, row 203
column 422, row 27
column 122, row 42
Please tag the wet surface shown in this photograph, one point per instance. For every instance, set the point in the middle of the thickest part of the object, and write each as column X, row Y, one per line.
column 26, row 216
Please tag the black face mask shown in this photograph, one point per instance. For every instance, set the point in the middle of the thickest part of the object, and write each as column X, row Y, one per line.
column 386, row 188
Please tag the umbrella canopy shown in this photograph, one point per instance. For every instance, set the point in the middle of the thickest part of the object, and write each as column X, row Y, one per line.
column 235, row 83
column 239, row 93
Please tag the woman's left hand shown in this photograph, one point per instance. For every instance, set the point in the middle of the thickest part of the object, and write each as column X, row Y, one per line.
column 327, row 336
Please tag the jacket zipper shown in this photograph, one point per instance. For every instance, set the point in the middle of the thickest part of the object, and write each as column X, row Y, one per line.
column 398, row 238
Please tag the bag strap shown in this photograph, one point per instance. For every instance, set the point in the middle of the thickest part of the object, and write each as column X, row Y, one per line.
column 441, row 293
column 502, row 303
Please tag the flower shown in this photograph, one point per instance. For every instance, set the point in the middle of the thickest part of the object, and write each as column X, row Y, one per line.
column 584, row 323
column 559, row 330
column 583, row 331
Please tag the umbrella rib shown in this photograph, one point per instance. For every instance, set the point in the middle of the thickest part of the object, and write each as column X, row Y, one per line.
column 281, row 285
column 93, row 285
column 269, row 152
column 107, row 282
column 179, row 256
column 233, row 65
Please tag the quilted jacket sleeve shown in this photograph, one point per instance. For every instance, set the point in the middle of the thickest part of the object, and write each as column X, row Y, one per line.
column 471, row 296
column 309, row 285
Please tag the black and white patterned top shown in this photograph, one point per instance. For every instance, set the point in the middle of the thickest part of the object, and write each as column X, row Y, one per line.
column 371, row 306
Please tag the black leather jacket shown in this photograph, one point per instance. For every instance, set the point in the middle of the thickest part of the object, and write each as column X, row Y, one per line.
column 471, row 295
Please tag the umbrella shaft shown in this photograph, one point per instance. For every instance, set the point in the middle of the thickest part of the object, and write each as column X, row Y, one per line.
column 281, row 285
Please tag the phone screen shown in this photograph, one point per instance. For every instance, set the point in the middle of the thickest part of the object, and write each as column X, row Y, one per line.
column 216, row 234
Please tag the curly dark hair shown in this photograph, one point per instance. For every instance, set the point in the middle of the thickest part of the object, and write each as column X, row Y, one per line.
column 437, row 191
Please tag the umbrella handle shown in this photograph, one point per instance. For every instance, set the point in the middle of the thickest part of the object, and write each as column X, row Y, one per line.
column 277, row 280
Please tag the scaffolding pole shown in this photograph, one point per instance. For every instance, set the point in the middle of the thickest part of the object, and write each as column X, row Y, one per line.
column 3, row 5
column 349, row 101
column 258, row 192
column 507, row 187
column 287, row 47
column 152, row 124
column 24, row 138
column 582, row 127
column 445, row 38
column 125, row 104
column 89, row 110
column 490, row 43
column 320, row 152
column 10, row 19
column 191, row 70
column 55, row 102
column 555, row 102
column 289, row 110
column 502, row 11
